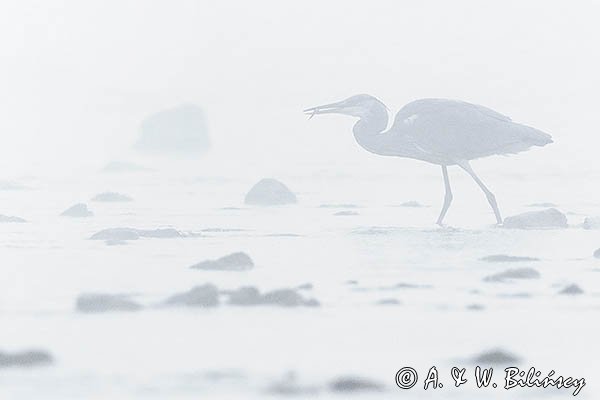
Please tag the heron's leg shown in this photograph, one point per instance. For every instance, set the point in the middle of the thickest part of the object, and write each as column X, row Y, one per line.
column 490, row 196
column 447, row 197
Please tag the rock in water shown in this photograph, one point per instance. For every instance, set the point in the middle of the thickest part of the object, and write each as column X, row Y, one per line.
column 507, row 258
column 111, row 197
column 245, row 296
column 495, row 357
column 412, row 203
column 78, row 210
column 25, row 359
column 355, row 384
column 121, row 234
column 251, row 296
column 289, row 386
column 515, row 273
column 591, row 223
column 179, row 131
column 549, row 218
column 116, row 234
column 5, row 185
column 571, row 290
column 8, row 218
column 284, row 297
column 160, row 233
column 199, row 296
column 345, row 213
column 269, row 192
column 123, row 167
column 388, row 302
column 233, row 262
column 96, row 303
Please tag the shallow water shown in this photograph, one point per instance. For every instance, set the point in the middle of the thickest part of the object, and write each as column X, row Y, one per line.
column 229, row 352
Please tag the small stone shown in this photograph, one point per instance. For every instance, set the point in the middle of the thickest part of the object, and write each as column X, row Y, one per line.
column 77, row 211
column 571, row 290
column 199, row 296
column 345, row 213
column 339, row 206
column 121, row 234
column 305, row 286
column 95, row 303
column 591, row 223
column 10, row 219
column 513, row 273
column 233, row 262
column 388, row 302
column 507, row 258
column 475, row 307
column 116, row 234
column 25, row 359
column 245, row 296
column 160, row 233
column 111, row 197
column 412, row 203
column 496, row 357
column 355, row 384
column 269, row 192
column 283, row 297
column 251, row 296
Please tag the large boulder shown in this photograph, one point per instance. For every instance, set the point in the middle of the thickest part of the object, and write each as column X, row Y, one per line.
column 77, row 211
column 233, row 262
column 179, row 131
column 549, row 218
column 269, row 192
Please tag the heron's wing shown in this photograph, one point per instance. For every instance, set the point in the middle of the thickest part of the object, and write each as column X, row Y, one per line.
column 457, row 130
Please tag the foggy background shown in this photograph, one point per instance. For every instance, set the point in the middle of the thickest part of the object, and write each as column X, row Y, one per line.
column 79, row 76
column 77, row 80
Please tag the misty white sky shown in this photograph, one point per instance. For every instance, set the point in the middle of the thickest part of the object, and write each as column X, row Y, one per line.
column 77, row 77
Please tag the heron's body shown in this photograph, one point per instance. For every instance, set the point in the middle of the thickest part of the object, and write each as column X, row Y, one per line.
column 438, row 131
column 447, row 132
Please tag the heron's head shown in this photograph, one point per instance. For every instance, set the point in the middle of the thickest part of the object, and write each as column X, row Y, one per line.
column 360, row 105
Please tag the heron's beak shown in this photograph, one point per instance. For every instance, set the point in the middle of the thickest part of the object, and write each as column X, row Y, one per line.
column 324, row 109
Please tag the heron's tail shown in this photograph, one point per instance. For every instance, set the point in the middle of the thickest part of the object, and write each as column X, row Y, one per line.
column 535, row 137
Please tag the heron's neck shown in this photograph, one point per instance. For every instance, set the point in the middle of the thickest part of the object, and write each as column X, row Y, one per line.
column 368, row 131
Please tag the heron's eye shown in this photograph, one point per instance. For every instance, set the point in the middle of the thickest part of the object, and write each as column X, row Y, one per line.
column 411, row 119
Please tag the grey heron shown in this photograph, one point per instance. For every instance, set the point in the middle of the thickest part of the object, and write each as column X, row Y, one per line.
column 439, row 131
